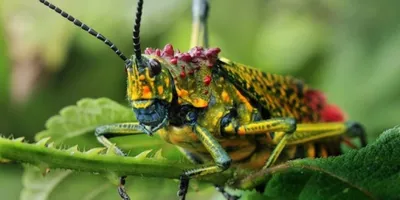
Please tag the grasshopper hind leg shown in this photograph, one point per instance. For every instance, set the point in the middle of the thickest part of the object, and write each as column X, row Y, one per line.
column 355, row 129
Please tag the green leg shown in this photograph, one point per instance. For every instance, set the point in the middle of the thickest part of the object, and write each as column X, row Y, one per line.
column 300, row 134
column 276, row 152
column 196, row 160
column 200, row 10
column 104, row 133
column 219, row 155
column 286, row 126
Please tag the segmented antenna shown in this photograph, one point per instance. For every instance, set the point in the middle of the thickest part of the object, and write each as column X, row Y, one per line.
column 88, row 29
column 136, row 31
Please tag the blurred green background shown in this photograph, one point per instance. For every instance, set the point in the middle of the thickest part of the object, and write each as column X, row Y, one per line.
column 349, row 49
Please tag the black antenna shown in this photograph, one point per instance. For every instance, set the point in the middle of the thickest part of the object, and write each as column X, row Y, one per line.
column 136, row 31
column 88, row 29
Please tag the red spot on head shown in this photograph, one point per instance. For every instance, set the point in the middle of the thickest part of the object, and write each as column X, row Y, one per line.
column 183, row 74
column 148, row 51
column 174, row 61
column 185, row 57
column 197, row 52
column 213, row 52
column 168, row 50
column 158, row 52
column 207, row 80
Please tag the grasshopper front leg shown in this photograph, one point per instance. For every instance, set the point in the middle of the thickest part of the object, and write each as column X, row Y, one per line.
column 219, row 155
column 104, row 133
column 196, row 160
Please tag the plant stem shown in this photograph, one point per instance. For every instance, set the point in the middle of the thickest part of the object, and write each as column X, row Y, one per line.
column 52, row 158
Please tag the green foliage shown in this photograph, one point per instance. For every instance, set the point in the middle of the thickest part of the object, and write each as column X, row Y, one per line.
column 348, row 49
column 369, row 173
column 75, row 125
column 75, row 121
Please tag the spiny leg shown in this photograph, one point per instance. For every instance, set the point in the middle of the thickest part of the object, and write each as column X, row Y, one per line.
column 219, row 155
column 277, row 128
column 304, row 133
column 104, row 133
column 312, row 132
column 196, row 160
column 200, row 10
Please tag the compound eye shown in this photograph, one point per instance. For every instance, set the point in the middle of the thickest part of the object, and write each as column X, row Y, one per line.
column 154, row 67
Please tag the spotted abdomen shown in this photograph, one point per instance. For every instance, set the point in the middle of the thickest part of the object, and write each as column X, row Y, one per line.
column 279, row 96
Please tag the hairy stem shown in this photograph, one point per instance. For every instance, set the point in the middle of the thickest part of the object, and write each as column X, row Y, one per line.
column 46, row 157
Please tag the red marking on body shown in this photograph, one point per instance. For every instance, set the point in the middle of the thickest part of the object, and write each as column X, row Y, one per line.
column 148, row 51
column 183, row 74
column 174, row 61
column 197, row 52
column 158, row 52
column 213, row 52
column 197, row 56
column 316, row 100
column 332, row 113
column 186, row 57
column 207, row 80
column 168, row 51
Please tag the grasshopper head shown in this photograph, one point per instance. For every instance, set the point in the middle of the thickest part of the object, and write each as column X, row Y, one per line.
column 158, row 77
column 150, row 91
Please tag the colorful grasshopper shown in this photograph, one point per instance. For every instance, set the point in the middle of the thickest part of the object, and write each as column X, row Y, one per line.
column 219, row 113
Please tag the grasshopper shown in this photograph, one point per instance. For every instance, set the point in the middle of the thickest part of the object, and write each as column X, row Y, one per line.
column 219, row 113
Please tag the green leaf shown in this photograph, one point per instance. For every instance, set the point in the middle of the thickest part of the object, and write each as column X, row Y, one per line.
column 75, row 121
column 369, row 173
column 75, row 125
